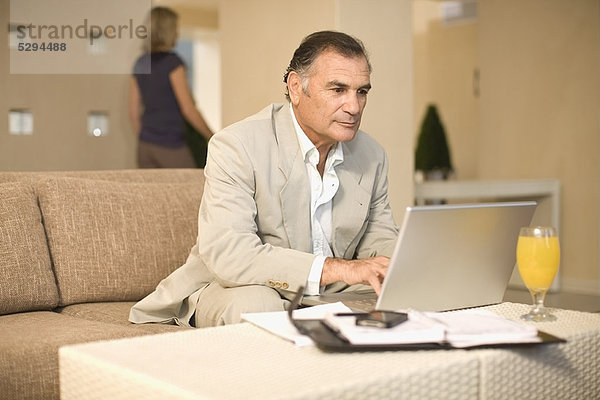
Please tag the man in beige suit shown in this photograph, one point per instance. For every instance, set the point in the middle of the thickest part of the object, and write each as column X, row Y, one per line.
column 295, row 195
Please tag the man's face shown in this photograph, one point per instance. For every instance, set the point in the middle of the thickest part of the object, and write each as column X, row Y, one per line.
column 331, row 107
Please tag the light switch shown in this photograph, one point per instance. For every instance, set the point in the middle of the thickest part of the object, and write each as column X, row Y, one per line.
column 97, row 123
column 20, row 122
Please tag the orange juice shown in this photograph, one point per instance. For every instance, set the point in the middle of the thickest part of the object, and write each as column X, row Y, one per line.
column 537, row 259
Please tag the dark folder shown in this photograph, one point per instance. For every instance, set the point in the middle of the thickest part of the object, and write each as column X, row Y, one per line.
column 328, row 339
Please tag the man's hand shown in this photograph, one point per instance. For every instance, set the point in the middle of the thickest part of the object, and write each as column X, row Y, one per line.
column 368, row 271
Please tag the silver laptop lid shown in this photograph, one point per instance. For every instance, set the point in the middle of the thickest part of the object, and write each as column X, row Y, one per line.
column 454, row 256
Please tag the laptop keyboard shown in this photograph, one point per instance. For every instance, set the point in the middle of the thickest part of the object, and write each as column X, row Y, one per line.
column 366, row 304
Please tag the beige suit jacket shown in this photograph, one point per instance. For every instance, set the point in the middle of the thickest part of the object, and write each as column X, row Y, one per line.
column 254, row 219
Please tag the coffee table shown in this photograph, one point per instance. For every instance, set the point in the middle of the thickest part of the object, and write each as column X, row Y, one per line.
column 244, row 362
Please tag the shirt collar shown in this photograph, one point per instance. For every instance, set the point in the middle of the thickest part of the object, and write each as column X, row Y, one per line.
column 336, row 154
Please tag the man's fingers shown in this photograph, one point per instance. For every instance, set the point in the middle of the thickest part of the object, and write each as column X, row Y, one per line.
column 377, row 276
column 376, row 285
column 369, row 271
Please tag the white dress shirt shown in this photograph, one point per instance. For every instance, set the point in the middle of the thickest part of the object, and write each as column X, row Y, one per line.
column 322, row 190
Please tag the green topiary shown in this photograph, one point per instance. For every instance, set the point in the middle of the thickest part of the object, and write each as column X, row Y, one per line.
column 432, row 151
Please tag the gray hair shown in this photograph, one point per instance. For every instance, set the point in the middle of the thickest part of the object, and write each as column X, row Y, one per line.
column 315, row 44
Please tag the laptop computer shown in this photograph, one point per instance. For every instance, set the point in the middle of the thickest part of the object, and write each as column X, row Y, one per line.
column 447, row 257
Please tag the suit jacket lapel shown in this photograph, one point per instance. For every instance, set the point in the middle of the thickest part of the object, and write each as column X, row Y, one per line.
column 350, row 206
column 294, row 196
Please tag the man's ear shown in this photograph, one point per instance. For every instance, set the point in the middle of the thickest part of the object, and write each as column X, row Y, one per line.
column 294, row 84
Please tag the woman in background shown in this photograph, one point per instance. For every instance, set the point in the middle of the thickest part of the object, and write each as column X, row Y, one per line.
column 161, row 106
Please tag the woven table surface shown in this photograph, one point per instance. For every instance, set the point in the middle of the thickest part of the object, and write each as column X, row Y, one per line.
column 245, row 362
column 564, row 371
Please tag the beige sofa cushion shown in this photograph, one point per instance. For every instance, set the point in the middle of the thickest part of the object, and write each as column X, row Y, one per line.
column 114, row 241
column 29, row 349
column 26, row 279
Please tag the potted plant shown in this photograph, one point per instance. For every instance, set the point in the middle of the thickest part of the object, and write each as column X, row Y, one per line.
column 432, row 155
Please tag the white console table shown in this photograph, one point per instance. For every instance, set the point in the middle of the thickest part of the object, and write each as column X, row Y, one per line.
column 545, row 191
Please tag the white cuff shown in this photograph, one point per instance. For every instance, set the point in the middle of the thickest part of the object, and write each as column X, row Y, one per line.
column 314, row 277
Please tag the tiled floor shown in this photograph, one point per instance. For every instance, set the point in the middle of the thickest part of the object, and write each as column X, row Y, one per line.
column 570, row 301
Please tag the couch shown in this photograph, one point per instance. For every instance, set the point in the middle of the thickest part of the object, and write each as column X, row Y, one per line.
column 77, row 250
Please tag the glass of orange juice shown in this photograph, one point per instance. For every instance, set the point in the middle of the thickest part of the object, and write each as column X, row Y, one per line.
column 538, row 255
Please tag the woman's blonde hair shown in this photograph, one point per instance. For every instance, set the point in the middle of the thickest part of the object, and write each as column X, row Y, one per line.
column 163, row 24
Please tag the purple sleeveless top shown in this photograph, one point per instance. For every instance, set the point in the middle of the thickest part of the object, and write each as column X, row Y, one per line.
column 162, row 121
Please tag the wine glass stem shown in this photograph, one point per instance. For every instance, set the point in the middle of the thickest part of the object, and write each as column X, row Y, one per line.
column 538, row 300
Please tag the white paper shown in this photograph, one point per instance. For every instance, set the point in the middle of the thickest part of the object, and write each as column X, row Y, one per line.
column 463, row 328
column 279, row 324
column 410, row 331
column 474, row 327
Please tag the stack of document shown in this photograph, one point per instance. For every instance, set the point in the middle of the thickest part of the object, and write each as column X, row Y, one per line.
column 461, row 329
column 465, row 328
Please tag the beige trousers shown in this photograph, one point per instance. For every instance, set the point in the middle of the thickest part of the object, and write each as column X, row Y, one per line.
column 220, row 306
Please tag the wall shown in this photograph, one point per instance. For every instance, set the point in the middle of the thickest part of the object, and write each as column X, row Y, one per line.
column 537, row 113
column 258, row 39
column 60, row 104
column 207, row 82
column 445, row 60
column 540, row 96
column 385, row 27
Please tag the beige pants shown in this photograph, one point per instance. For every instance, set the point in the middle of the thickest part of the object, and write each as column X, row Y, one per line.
column 220, row 306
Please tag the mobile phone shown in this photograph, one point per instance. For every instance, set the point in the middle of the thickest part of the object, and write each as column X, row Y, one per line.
column 381, row 319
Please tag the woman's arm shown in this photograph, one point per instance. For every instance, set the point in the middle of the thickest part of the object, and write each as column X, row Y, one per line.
column 186, row 102
column 135, row 103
